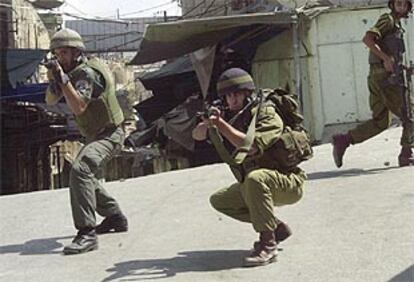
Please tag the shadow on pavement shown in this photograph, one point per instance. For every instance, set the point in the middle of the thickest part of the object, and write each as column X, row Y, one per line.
column 347, row 172
column 184, row 262
column 405, row 276
column 36, row 247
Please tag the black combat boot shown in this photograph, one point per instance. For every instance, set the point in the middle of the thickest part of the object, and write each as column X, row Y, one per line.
column 266, row 251
column 340, row 143
column 405, row 157
column 85, row 241
column 113, row 223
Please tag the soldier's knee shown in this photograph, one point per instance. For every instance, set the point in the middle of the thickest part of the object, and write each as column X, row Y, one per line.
column 295, row 196
column 79, row 169
column 254, row 187
column 214, row 201
column 255, row 179
column 75, row 173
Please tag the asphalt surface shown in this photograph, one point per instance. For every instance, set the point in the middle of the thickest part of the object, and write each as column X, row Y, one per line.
column 353, row 224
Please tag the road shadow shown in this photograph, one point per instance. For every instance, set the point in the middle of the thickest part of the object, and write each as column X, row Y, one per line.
column 36, row 247
column 405, row 276
column 184, row 262
column 347, row 172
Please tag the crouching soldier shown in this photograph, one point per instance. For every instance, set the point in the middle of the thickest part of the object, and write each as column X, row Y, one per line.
column 89, row 92
column 262, row 183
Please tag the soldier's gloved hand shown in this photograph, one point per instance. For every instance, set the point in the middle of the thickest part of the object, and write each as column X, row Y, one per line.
column 49, row 74
column 58, row 73
column 53, row 84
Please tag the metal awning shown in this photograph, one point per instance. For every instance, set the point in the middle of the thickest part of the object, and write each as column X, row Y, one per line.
column 169, row 40
column 176, row 67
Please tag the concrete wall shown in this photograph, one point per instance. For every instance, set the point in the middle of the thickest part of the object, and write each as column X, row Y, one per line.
column 28, row 29
column 21, row 27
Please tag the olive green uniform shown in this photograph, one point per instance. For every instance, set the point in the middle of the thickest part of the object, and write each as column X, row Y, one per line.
column 386, row 93
column 100, row 124
column 264, row 185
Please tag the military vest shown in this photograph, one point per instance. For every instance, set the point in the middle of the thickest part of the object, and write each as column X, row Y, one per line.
column 392, row 44
column 101, row 112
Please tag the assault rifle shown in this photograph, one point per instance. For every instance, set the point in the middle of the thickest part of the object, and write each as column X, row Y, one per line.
column 407, row 84
column 52, row 64
column 209, row 109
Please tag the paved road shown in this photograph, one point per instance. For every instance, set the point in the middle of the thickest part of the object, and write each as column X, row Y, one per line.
column 354, row 224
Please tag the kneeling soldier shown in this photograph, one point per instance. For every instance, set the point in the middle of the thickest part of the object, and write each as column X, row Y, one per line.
column 262, row 183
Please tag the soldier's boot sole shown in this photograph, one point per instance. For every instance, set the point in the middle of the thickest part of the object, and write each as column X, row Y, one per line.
column 69, row 251
column 251, row 262
column 120, row 230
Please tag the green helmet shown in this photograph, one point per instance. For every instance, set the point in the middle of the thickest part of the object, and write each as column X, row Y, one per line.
column 66, row 37
column 234, row 79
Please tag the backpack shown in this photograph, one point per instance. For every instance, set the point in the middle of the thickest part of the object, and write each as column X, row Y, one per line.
column 294, row 145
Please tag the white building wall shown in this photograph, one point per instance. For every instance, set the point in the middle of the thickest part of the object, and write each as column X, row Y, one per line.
column 409, row 35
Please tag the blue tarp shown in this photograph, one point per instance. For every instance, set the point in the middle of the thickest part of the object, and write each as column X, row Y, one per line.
column 17, row 65
column 31, row 93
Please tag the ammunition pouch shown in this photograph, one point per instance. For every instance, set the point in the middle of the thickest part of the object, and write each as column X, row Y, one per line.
column 292, row 148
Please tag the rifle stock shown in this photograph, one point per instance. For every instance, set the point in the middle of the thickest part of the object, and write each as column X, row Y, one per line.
column 407, row 95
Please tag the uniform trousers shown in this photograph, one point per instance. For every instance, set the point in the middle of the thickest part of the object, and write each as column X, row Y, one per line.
column 385, row 99
column 86, row 192
column 254, row 199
